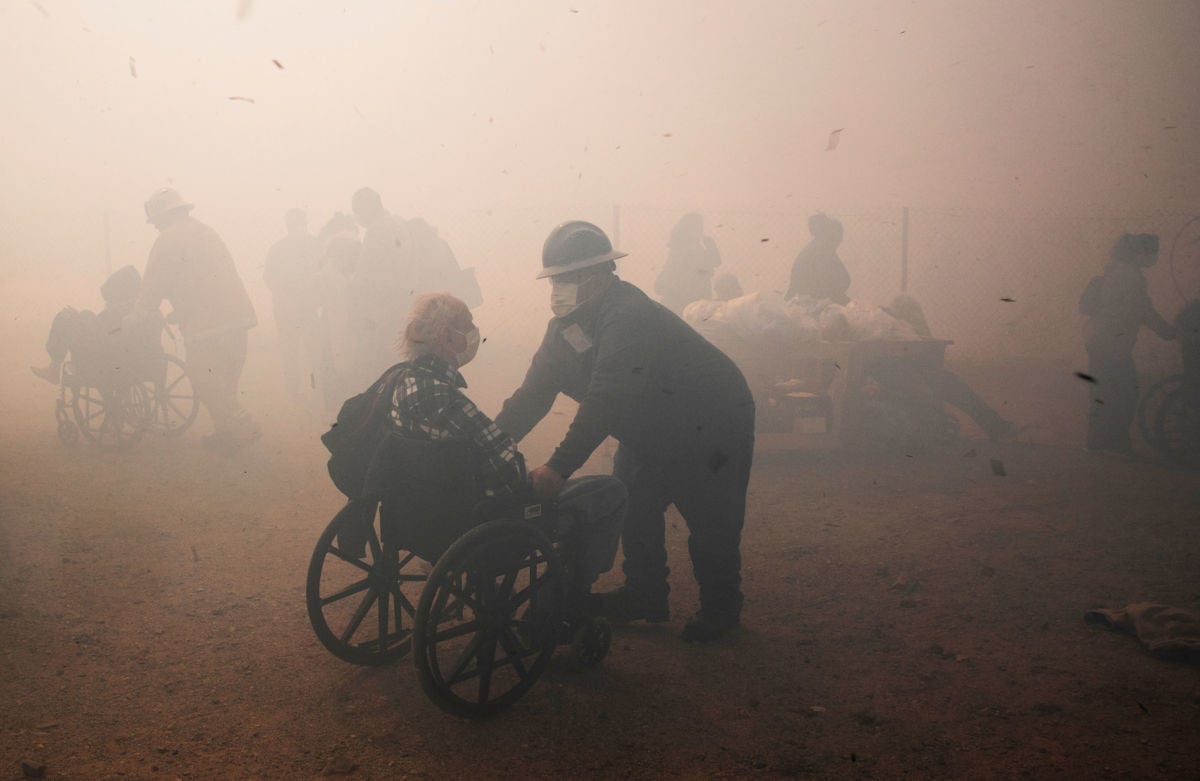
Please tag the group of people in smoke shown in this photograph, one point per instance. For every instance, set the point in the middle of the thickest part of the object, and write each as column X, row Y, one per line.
column 679, row 408
column 1117, row 305
column 818, row 275
column 335, row 298
column 190, row 267
column 336, row 294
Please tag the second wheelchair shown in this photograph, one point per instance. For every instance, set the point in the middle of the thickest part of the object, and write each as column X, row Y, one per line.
column 115, row 392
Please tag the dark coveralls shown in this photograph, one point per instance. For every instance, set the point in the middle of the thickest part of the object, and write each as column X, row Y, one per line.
column 683, row 416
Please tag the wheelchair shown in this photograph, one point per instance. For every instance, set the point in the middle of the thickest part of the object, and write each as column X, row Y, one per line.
column 115, row 390
column 1151, row 404
column 476, row 589
column 1168, row 415
column 1177, row 423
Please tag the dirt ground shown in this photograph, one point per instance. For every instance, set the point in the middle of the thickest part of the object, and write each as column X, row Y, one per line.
column 906, row 617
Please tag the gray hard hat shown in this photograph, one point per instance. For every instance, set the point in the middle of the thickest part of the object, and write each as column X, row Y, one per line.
column 575, row 245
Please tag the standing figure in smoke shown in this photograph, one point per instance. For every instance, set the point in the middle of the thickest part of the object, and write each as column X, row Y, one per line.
column 190, row 266
column 386, row 277
column 691, row 260
column 342, row 366
column 436, row 267
column 291, row 276
column 678, row 407
column 1117, row 304
column 818, row 272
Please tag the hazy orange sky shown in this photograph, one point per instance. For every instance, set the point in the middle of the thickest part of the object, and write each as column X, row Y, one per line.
column 473, row 104
column 497, row 120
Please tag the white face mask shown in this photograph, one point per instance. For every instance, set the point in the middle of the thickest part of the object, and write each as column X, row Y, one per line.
column 564, row 298
column 468, row 354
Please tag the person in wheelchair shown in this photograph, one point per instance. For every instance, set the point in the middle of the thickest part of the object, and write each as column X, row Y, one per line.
column 100, row 337
column 439, row 338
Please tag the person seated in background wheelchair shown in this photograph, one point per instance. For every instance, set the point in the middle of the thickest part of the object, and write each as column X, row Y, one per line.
column 428, row 402
column 99, row 338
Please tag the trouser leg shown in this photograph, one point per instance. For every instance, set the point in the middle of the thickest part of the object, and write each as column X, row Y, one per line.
column 592, row 510
column 215, row 366
column 1113, row 401
column 65, row 333
column 712, row 499
column 643, row 534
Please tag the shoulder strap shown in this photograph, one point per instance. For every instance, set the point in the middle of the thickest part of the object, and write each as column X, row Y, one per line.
column 381, row 391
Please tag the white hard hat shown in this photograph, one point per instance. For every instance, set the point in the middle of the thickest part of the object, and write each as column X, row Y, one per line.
column 164, row 200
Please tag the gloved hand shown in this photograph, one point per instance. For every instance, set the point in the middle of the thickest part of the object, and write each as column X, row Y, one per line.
column 546, row 482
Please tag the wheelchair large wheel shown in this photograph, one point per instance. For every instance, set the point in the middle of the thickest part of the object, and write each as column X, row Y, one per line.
column 1150, row 404
column 1177, row 426
column 110, row 418
column 489, row 618
column 175, row 402
column 361, row 606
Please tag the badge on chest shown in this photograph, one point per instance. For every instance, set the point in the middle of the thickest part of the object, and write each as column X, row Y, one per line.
column 577, row 338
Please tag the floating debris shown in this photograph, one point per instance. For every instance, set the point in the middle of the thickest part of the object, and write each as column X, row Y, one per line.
column 240, row 97
column 1085, row 377
column 835, row 137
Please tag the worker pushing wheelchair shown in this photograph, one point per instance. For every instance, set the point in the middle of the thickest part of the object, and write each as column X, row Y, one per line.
column 444, row 486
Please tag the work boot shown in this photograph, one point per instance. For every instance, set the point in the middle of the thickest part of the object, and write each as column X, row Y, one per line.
column 626, row 604
column 708, row 626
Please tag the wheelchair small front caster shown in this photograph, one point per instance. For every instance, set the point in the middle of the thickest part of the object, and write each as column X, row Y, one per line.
column 593, row 638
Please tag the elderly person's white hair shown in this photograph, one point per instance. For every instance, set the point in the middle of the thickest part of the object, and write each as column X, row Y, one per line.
column 430, row 313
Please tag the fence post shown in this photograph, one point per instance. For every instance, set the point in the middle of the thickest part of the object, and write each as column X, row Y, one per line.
column 904, row 250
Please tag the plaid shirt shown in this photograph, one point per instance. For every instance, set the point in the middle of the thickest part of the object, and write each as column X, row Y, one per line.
column 427, row 403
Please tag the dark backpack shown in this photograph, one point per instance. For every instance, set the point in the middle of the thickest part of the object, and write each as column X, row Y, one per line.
column 362, row 424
